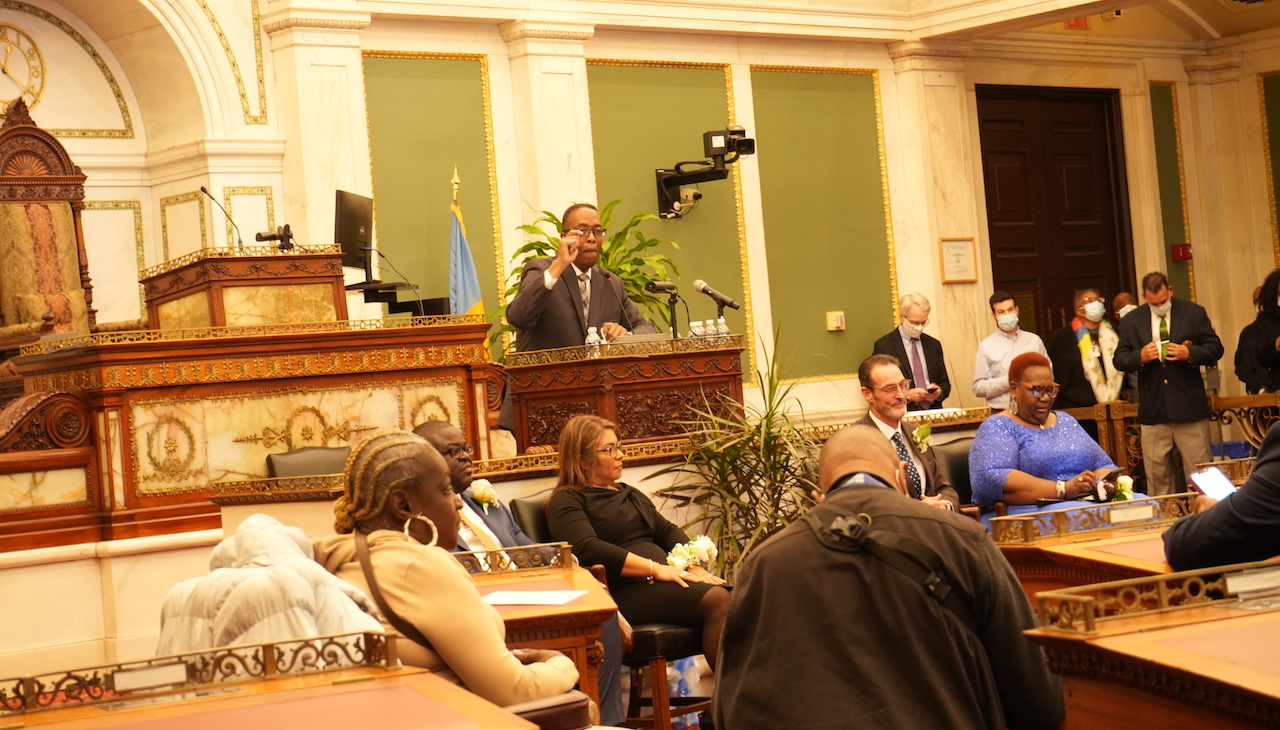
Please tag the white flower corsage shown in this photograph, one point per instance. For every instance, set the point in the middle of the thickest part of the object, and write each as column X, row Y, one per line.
column 699, row 551
column 1124, row 488
column 923, row 436
column 482, row 490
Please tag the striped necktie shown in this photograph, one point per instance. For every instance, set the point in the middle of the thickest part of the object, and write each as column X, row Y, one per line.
column 489, row 544
column 584, row 287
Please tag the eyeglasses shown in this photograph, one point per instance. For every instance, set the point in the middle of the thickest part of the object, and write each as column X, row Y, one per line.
column 597, row 232
column 1041, row 391
column 457, row 452
column 614, row 450
column 892, row 390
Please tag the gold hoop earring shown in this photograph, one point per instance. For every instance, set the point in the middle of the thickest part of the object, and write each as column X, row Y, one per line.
column 434, row 532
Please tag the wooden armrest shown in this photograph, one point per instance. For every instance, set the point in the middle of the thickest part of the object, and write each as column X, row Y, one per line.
column 569, row 711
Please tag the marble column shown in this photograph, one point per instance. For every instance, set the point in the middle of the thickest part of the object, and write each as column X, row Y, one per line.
column 936, row 197
column 553, row 114
column 1229, row 258
column 319, row 82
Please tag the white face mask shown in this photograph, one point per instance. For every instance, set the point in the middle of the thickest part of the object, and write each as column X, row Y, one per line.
column 911, row 330
column 1007, row 322
column 1163, row 309
column 1094, row 311
column 1125, row 310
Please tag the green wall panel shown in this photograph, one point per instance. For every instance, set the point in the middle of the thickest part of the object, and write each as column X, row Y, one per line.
column 824, row 216
column 1169, row 175
column 1271, row 102
column 425, row 116
column 644, row 118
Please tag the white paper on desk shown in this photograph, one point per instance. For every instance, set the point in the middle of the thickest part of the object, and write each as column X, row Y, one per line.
column 532, row 598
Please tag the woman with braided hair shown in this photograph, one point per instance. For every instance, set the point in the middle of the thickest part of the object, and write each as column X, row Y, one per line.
column 398, row 502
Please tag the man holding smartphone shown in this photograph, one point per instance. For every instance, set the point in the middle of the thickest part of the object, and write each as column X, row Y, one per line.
column 1166, row 341
column 930, row 384
column 1238, row 529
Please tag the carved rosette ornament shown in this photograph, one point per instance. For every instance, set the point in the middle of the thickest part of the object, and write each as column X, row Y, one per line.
column 43, row 421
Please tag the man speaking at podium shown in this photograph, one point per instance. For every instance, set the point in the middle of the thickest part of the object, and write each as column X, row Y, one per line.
column 561, row 297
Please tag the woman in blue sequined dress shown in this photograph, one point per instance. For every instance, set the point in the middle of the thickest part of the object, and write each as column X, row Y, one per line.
column 1030, row 452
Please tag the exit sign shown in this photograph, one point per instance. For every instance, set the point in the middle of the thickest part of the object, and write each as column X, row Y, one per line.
column 1077, row 24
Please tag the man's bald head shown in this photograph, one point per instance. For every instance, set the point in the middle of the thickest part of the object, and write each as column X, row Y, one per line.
column 859, row 449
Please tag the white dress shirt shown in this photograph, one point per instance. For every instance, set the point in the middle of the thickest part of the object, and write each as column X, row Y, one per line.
column 991, row 365
column 888, row 432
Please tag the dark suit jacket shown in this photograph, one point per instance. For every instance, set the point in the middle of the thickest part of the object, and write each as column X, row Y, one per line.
column 500, row 520
column 1262, row 345
column 1248, row 370
column 1242, row 528
column 548, row 318
column 1170, row 391
column 934, row 483
column 891, row 344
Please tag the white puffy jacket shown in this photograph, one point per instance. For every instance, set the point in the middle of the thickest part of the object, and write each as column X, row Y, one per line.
column 263, row 587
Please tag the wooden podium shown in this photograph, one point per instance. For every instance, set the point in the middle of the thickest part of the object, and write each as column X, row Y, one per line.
column 647, row 388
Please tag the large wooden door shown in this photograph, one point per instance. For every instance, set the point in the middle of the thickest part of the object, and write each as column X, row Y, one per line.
column 1057, row 203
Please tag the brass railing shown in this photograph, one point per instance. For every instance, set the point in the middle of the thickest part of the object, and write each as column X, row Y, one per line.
column 238, row 252
column 625, row 349
column 170, row 675
column 1033, row 527
column 525, row 557
column 1079, row 610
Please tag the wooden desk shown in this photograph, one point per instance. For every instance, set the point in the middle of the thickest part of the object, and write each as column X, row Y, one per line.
column 1087, row 559
column 337, row 700
column 1211, row 667
column 573, row 628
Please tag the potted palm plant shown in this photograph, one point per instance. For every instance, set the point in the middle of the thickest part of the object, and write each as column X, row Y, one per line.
column 750, row 471
column 627, row 252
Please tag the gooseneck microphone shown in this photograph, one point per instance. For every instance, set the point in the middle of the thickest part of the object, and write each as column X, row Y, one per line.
column 239, row 239
column 701, row 286
column 608, row 280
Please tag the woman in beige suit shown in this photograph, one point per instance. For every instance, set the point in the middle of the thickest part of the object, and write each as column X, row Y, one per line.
column 397, row 499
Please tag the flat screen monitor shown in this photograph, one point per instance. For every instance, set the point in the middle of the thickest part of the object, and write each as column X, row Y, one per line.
column 353, row 227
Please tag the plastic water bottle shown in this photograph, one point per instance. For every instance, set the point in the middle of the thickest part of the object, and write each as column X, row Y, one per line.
column 593, row 342
column 695, row 330
column 722, row 331
column 709, row 331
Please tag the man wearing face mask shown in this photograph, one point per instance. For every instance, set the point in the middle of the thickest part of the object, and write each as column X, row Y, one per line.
column 991, row 366
column 1166, row 341
column 930, row 384
column 1082, row 353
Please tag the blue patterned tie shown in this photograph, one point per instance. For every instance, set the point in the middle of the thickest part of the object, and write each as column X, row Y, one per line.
column 912, row 472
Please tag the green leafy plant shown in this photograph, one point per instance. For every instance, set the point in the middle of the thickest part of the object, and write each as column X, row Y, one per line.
column 626, row 252
column 750, row 470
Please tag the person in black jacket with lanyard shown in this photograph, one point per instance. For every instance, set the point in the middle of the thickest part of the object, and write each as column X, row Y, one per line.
column 1266, row 334
column 919, row 354
column 1166, row 341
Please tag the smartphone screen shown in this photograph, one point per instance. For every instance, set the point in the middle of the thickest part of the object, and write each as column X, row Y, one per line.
column 1213, row 483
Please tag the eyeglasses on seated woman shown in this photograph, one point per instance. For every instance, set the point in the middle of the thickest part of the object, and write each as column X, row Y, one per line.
column 1031, row 457
column 399, row 509
column 615, row 525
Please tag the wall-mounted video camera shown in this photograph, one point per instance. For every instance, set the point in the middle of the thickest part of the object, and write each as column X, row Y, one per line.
column 724, row 147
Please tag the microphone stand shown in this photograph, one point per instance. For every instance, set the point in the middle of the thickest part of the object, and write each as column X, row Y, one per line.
column 671, row 312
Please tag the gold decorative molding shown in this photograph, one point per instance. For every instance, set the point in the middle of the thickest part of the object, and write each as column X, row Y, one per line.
column 249, row 116
column 1182, row 183
column 232, row 191
column 1213, row 69
column 235, row 252
column 486, row 99
column 622, row 349
column 139, row 245
column 1266, row 156
column 884, row 187
column 55, row 21
column 205, row 333
column 168, row 202
column 931, row 48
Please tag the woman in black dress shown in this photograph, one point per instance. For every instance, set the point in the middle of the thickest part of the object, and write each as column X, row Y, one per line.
column 616, row 525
